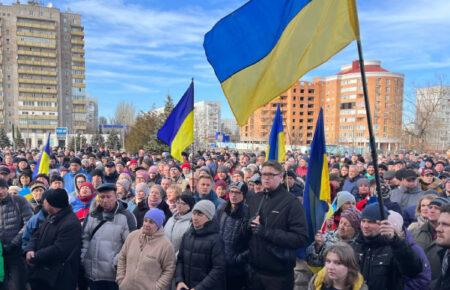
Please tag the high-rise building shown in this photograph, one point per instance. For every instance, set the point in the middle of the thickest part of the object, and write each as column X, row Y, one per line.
column 206, row 121
column 230, row 126
column 300, row 107
column 342, row 99
column 344, row 107
column 433, row 115
column 91, row 115
column 42, row 69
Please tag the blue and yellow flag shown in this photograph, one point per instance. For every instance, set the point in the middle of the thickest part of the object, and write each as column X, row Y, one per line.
column 43, row 165
column 317, row 194
column 178, row 130
column 276, row 148
column 265, row 46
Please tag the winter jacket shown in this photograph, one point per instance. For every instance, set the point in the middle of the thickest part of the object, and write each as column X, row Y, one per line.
column 443, row 282
column 143, row 207
column 69, row 179
column 406, row 197
column 350, row 184
column 384, row 263
column 2, row 265
column 297, row 190
column 434, row 185
column 314, row 257
column 146, row 262
column 31, row 227
column 317, row 280
column 233, row 231
column 283, row 231
column 81, row 208
column 423, row 279
column 15, row 211
column 424, row 238
column 211, row 196
column 175, row 228
column 200, row 261
column 99, row 253
column 112, row 178
column 57, row 244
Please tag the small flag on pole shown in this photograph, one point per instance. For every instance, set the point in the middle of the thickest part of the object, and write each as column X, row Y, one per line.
column 43, row 165
column 178, row 130
column 276, row 148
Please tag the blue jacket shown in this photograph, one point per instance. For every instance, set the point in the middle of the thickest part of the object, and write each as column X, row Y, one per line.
column 32, row 225
column 212, row 196
column 69, row 180
column 423, row 279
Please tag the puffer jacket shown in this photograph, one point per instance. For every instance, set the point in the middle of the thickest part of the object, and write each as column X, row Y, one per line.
column 31, row 227
column 175, row 228
column 142, row 208
column 146, row 262
column 424, row 238
column 200, row 262
column 15, row 211
column 384, row 263
column 406, row 197
column 316, row 282
column 234, row 235
column 99, row 253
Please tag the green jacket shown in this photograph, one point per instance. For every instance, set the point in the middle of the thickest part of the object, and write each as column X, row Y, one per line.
column 2, row 266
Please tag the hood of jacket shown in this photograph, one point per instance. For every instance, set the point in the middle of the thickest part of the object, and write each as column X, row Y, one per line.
column 320, row 278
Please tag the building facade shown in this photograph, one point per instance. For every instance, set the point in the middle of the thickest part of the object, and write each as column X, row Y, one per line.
column 206, row 122
column 300, row 106
column 342, row 99
column 91, row 115
column 42, row 70
column 433, row 115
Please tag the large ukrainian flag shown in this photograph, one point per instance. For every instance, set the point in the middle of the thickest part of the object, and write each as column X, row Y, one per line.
column 276, row 148
column 43, row 165
column 317, row 194
column 264, row 47
column 178, row 130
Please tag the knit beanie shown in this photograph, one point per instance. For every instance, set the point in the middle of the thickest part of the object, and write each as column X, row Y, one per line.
column 343, row 197
column 88, row 184
column 439, row 201
column 396, row 220
column 220, row 183
column 353, row 216
column 372, row 212
column 143, row 187
column 189, row 200
column 57, row 198
column 143, row 174
column 153, row 169
column 125, row 183
column 362, row 181
column 206, row 207
column 156, row 215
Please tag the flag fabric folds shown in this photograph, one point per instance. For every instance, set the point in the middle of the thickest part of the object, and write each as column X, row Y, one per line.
column 43, row 165
column 265, row 46
column 276, row 148
column 317, row 194
column 178, row 130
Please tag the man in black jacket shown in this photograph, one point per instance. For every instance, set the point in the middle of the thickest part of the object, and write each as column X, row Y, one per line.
column 278, row 229
column 443, row 240
column 54, row 251
column 383, row 256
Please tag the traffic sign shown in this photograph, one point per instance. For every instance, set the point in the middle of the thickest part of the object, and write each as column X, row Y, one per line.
column 61, row 133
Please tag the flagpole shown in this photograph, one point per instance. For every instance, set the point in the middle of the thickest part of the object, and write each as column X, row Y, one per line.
column 369, row 125
column 193, row 143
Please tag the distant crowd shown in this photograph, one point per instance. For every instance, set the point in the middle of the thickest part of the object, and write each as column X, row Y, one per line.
column 220, row 219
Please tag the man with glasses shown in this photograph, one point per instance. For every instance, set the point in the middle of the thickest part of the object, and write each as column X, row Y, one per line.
column 408, row 193
column 278, row 229
column 425, row 235
column 443, row 240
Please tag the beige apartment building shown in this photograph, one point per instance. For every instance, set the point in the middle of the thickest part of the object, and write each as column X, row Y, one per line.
column 342, row 99
column 42, row 70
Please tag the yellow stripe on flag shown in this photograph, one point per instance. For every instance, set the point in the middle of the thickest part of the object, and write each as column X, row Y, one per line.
column 184, row 137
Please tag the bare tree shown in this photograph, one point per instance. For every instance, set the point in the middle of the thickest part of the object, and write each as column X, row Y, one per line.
column 125, row 114
column 424, row 123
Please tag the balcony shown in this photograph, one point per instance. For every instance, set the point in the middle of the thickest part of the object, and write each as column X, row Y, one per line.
column 39, row 35
column 78, row 85
column 79, row 110
column 37, row 81
column 41, row 127
column 36, row 44
column 36, row 63
column 78, row 59
column 36, row 53
column 79, row 101
column 33, row 99
column 77, row 50
column 77, row 41
column 77, row 33
column 82, row 77
column 78, row 67
column 37, row 117
column 37, row 72
column 37, row 108
column 35, row 90
column 46, row 26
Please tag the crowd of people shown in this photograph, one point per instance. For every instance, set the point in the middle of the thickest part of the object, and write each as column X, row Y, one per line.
column 220, row 219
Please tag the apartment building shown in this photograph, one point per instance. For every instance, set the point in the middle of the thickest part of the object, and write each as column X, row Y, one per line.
column 42, row 70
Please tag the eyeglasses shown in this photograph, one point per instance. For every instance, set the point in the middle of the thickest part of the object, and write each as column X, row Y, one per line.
column 269, row 174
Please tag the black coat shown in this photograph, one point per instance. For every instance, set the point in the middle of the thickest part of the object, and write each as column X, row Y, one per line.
column 234, row 235
column 383, row 262
column 142, row 208
column 443, row 283
column 200, row 262
column 273, row 251
column 112, row 178
column 57, row 242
